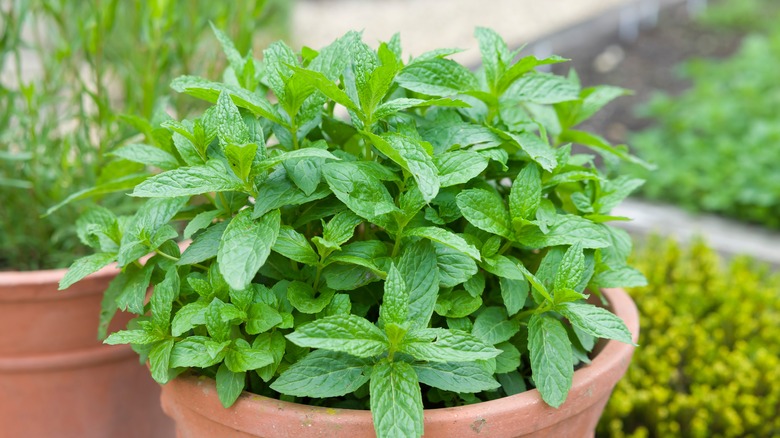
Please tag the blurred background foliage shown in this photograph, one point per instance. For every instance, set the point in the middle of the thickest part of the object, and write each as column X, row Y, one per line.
column 717, row 145
column 708, row 360
column 75, row 78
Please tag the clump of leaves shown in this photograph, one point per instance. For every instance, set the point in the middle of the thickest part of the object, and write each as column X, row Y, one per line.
column 716, row 144
column 368, row 232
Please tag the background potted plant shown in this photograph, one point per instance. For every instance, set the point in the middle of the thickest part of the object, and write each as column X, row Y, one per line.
column 384, row 233
column 65, row 69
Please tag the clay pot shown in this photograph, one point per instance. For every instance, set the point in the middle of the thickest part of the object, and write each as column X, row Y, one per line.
column 56, row 378
column 192, row 402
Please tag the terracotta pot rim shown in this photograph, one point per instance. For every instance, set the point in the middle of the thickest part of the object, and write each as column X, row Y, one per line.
column 82, row 358
column 614, row 355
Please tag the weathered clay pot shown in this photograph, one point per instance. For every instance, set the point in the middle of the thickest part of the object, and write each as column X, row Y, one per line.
column 56, row 378
column 192, row 402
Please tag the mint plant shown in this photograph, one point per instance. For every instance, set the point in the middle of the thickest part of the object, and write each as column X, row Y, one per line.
column 371, row 233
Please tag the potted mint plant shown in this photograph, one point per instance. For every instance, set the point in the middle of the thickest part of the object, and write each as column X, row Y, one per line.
column 373, row 233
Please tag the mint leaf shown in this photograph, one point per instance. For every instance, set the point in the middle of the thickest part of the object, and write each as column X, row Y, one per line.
column 419, row 269
column 395, row 301
column 571, row 268
column 345, row 333
column 362, row 192
column 200, row 221
column 446, row 238
column 454, row 266
column 526, row 193
column 595, row 321
column 230, row 125
column 159, row 360
column 437, row 77
column 536, row 148
column 205, row 245
column 305, row 299
column 311, row 152
column 188, row 181
column 242, row 357
column 136, row 337
column 455, row 376
column 396, row 400
column 261, row 317
column 412, row 156
column 245, row 245
column 323, row 373
column 241, row 157
column 327, row 87
column 440, row 345
column 459, row 167
column 514, row 293
column 341, row 228
column 551, row 358
column 186, row 317
column 229, row 385
column 161, row 301
column 294, row 246
column 210, row 91
column 493, row 327
column 147, row 154
column 543, row 88
column 85, row 266
column 495, row 55
column 485, row 210
column 565, row 230
column 197, row 352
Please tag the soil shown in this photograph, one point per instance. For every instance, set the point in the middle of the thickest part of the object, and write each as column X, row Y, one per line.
column 646, row 65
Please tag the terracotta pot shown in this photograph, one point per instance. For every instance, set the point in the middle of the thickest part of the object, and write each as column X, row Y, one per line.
column 56, row 378
column 192, row 402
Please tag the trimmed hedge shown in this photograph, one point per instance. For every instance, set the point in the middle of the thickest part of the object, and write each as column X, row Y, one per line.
column 708, row 364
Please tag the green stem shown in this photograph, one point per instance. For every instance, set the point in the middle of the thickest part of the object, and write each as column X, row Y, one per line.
column 176, row 259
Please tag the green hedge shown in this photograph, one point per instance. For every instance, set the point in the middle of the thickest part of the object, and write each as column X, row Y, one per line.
column 708, row 361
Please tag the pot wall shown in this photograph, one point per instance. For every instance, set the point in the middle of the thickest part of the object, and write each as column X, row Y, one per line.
column 192, row 402
column 56, row 378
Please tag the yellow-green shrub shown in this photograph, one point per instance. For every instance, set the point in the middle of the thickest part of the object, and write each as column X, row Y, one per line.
column 708, row 364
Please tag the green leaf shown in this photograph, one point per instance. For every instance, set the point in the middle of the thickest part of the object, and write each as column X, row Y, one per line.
column 419, row 269
column 159, row 360
column 536, row 148
column 454, row 266
column 551, row 358
column 455, row 376
column 437, row 77
column 200, row 221
column 495, row 55
column 445, row 237
column 504, row 267
column 323, row 373
column 85, row 266
column 509, row 359
column 523, row 66
column 230, row 125
column 229, row 385
column 346, row 333
column 162, row 299
column 242, row 357
column 485, row 210
column 514, row 293
column 327, row 87
column 341, row 228
column 246, row 245
column 136, row 337
column 567, row 229
column 185, row 318
column 614, row 192
column 197, row 352
column 396, row 105
column 311, row 152
column 210, row 91
column 459, row 167
column 261, row 317
column 594, row 98
column 305, row 299
column 440, row 345
column 362, row 192
column 571, row 269
column 205, row 245
column 396, row 400
column 395, row 301
column 595, row 321
column 278, row 191
column 132, row 296
column 412, row 156
column 274, row 343
column 526, row 193
column 294, row 246
column 188, row 181
column 457, row 304
column 234, row 58
column 146, row 154
column 240, row 157
column 493, row 327
column 120, row 184
column 543, row 88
